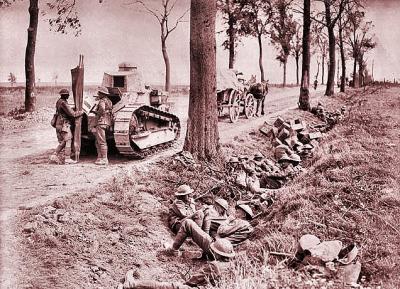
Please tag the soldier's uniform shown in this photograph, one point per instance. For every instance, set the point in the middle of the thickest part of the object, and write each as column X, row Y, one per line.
column 216, row 252
column 103, row 118
column 210, row 273
column 183, row 208
column 65, row 119
column 213, row 219
column 236, row 231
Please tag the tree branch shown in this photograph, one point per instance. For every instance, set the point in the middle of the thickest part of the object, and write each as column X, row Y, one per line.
column 148, row 10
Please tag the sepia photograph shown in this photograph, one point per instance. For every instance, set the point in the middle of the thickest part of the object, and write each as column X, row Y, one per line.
column 214, row 144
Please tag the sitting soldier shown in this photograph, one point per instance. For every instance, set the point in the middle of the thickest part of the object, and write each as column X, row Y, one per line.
column 237, row 229
column 214, row 216
column 182, row 208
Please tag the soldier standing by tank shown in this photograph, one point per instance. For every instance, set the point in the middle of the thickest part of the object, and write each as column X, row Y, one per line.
column 103, row 117
column 65, row 119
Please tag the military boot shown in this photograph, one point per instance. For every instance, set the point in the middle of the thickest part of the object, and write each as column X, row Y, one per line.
column 104, row 159
column 99, row 156
column 68, row 159
column 54, row 158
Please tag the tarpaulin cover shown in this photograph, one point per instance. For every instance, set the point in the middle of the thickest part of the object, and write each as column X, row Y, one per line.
column 226, row 78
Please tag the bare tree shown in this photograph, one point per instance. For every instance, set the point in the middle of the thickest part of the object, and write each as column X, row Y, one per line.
column 297, row 44
column 55, row 78
column 304, row 98
column 257, row 15
column 163, row 19
column 321, row 43
column 202, row 138
column 12, row 78
column 231, row 13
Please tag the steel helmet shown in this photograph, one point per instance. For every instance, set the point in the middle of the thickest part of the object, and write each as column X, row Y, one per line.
column 295, row 158
column 222, row 247
column 258, row 156
column 233, row 160
column 223, row 203
column 64, row 91
column 284, row 157
column 246, row 209
column 308, row 147
column 103, row 90
column 183, row 190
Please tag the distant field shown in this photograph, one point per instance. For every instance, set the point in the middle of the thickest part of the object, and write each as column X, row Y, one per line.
column 46, row 96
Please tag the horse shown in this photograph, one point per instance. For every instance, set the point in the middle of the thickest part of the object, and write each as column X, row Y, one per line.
column 259, row 90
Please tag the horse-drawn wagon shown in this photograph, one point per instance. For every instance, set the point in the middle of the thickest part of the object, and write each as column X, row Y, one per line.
column 232, row 96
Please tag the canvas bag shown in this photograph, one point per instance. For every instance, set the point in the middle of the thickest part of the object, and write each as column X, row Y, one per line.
column 54, row 120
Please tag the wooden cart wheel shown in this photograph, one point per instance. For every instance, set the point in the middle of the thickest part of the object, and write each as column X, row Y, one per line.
column 234, row 108
column 249, row 105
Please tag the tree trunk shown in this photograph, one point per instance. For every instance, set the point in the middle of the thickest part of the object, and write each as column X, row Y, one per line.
column 323, row 69
column 304, row 98
column 342, row 57
column 202, row 138
column 284, row 73
column 260, row 58
column 231, row 33
column 30, row 98
column 355, row 78
column 167, row 64
column 360, row 72
column 330, row 83
column 297, row 69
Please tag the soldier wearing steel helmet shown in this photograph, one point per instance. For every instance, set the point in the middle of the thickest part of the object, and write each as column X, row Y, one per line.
column 65, row 119
column 215, row 215
column 103, row 118
column 183, row 207
column 237, row 228
column 218, row 253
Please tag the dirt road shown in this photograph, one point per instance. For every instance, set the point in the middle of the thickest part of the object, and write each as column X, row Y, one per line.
column 28, row 179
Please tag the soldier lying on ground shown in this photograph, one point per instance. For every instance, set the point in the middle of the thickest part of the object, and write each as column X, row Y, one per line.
column 221, row 251
column 183, row 208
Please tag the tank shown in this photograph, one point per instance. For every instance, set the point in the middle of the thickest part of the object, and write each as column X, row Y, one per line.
column 142, row 122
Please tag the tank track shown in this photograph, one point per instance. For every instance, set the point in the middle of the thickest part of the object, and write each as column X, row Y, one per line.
column 122, row 130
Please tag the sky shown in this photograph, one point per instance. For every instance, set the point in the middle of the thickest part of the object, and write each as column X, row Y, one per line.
column 113, row 32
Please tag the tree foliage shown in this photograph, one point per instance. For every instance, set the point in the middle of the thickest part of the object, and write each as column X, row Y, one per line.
column 255, row 21
column 63, row 16
column 359, row 39
column 231, row 15
column 283, row 29
column 333, row 11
